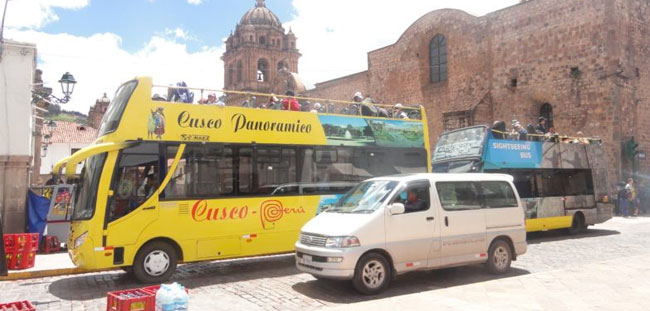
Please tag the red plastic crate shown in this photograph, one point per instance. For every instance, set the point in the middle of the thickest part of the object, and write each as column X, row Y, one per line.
column 50, row 244
column 17, row 306
column 154, row 289
column 20, row 261
column 32, row 242
column 120, row 300
column 19, row 242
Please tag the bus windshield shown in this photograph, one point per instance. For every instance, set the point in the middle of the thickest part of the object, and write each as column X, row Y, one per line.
column 84, row 206
column 116, row 108
column 365, row 197
column 462, row 143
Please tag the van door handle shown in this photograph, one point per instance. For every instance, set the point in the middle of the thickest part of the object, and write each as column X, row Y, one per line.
column 430, row 218
column 446, row 221
column 148, row 208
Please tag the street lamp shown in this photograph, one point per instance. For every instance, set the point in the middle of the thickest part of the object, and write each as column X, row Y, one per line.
column 67, row 87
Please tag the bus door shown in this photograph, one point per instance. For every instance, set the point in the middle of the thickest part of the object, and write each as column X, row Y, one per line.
column 133, row 196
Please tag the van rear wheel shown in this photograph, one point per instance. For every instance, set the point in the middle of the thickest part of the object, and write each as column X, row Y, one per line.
column 499, row 257
column 372, row 274
column 155, row 262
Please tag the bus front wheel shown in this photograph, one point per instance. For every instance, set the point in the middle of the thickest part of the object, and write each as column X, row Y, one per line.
column 577, row 224
column 155, row 262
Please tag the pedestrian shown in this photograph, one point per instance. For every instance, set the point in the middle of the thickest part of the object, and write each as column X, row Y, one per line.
column 621, row 199
column 542, row 128
column 630, row 191
column 398, row 113
column 290, row 103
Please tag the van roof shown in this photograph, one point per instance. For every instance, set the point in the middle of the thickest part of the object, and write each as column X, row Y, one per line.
column 448, row 177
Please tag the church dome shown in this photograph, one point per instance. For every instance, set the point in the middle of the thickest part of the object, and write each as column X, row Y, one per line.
column 260, row 15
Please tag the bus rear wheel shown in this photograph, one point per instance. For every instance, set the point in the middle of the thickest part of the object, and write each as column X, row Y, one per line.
column 577, row 224
column 155, row 262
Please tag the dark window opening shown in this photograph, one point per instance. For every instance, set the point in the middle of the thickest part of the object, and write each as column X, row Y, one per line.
column 438, row 58
column 513, row 82
column 546, row 111
column 262, row 40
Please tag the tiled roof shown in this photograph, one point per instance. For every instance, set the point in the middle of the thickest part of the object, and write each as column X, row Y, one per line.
column 69, row 132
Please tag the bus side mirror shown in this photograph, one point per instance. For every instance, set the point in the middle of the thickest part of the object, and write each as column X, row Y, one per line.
column 396, row 209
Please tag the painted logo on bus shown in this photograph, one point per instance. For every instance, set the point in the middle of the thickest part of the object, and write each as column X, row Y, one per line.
column 270, row 212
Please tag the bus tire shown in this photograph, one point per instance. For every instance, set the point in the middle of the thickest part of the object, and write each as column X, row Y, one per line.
column 372, row 274
column 577, row 224
column 499, row 257
column 155, row 262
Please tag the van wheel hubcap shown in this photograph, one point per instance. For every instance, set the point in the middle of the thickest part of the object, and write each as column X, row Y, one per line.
column 501, row 258
column 373, row 274
column 156, row 263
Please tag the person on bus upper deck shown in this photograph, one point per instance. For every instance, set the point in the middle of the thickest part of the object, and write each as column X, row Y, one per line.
column 552, row 136
column 290, row 103
column 521, row 133
column 499, row 129
column 531, row 130
column 398, row 113
column 541, row 125
column 316, row 108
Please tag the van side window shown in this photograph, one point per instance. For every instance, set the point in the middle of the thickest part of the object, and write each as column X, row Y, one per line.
column 415, row 198
column 498, row 194
column 458, row 195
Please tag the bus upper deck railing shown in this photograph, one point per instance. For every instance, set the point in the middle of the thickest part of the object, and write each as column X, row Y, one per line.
column 366, row 107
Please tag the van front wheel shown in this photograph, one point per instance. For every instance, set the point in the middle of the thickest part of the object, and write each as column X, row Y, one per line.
column 372, row 274
column 499, row 257
column 155, row 262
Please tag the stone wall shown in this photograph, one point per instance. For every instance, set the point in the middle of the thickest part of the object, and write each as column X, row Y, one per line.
column 588, row 59
column 342, row 88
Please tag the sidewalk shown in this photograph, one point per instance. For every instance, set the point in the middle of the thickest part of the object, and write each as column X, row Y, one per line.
column 46, row 265
column 620, row 284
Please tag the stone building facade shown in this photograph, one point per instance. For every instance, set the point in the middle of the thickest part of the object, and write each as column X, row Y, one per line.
column 585, row 64
column 96, row 112
column 260, row 56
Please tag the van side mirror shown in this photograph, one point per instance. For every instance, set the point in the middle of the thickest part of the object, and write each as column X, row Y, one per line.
column 396, row 208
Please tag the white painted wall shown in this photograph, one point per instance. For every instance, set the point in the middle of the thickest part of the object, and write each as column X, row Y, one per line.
column 17, row 66
column 56, row 152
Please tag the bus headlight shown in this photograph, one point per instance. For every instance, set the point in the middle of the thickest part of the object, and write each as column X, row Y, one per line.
column 80, row 239
column 342, row 241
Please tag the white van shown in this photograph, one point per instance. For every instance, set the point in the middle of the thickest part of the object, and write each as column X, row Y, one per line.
column 391, row 225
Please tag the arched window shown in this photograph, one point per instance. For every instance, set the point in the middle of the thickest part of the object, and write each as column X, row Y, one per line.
column 262, row 70
column 282, row 64
column 438, row 58
column 262, row 40
column 240, row 70
column 547, row 112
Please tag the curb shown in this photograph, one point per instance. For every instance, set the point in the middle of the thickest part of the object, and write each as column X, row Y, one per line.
column 13, row 276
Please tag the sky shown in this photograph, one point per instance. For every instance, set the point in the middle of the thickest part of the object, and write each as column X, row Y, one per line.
column 104, row 43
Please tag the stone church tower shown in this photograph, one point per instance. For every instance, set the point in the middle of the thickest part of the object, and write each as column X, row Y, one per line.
column 260, row 56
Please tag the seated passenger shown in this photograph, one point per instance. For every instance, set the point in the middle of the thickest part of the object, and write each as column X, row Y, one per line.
column 414, row 203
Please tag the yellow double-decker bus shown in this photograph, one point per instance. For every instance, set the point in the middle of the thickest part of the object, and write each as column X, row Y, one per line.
column 169, row 182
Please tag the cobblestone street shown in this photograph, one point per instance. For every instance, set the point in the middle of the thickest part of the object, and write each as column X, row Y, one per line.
column 273, row 283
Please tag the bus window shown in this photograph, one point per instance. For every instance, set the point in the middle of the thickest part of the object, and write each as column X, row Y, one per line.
column 458, row 195
column 244, row 168
column 578, row 182
column 203, row 171
column 275, row 168
column 136, row 179
column 550, row 183
column 498, row 194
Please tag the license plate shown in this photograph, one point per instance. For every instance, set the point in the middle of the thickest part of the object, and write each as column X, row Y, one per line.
column 306, row 258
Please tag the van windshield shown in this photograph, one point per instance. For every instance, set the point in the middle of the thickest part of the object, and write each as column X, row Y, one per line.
column 366, row 197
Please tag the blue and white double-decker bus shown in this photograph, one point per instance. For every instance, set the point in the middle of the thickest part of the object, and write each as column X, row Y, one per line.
column 563, row 185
